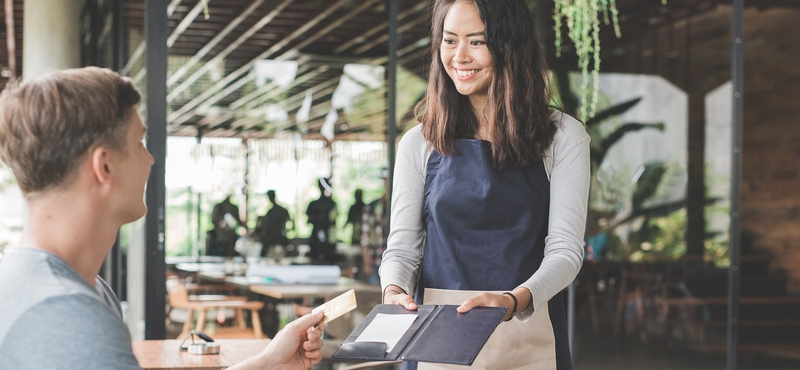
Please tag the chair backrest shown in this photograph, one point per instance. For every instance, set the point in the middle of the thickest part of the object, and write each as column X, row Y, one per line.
column 176, row 293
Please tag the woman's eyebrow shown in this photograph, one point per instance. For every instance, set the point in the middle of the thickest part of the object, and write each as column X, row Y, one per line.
column 480, row 33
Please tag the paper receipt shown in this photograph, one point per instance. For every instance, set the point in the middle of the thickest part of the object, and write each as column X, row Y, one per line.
column 336, row 307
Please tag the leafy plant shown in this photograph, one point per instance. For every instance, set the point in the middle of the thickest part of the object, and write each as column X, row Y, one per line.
column 582, row 18
column 616, row 202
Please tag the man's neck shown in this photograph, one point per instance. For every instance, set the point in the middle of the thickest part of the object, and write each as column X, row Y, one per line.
column 66, row 225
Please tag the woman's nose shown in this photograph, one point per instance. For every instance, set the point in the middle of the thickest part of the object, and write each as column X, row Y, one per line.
column 462, row 53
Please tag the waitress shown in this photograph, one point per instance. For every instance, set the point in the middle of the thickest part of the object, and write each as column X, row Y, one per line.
column 491, row 189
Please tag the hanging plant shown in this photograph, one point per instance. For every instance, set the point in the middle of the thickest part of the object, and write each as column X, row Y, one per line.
column 583, row 23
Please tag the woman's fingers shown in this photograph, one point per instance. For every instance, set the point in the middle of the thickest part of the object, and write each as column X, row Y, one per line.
column 400, row 299
column 488, row 300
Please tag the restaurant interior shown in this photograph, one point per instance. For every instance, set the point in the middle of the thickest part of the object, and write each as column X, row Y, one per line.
column 691, row 106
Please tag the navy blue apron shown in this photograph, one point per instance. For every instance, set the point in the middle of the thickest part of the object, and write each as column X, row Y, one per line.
column 486, row 228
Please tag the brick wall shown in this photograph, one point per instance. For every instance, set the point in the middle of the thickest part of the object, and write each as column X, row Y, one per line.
column 771, row 151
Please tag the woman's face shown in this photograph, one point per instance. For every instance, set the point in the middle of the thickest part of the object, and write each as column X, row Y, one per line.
column 464, row 53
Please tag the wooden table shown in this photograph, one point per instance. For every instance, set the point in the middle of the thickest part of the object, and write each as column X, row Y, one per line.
column 291, row 291
column 164, row 354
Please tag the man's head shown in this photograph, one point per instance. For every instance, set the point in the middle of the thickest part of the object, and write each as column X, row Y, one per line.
column 271, row 196
column 50, row 123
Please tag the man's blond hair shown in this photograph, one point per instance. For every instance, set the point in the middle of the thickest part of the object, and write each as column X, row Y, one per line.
column 47, row 124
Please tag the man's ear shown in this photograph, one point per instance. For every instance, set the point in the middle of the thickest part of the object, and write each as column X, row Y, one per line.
column 101, row 166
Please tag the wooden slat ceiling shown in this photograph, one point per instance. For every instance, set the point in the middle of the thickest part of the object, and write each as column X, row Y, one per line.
column 211, row 82
column 321, row 35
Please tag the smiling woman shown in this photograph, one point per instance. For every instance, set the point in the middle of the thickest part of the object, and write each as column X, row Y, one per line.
column 492, row 185
column 465, row 56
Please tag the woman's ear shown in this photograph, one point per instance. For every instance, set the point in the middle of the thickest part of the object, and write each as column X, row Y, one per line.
column 100, row 164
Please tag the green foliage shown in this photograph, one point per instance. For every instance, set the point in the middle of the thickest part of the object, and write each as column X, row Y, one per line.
column 582, row 18
column 649, row 223
column 661, row 238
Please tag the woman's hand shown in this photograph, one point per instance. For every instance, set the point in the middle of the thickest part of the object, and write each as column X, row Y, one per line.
column 395, row 295
column 296, row 347
column 498, row 300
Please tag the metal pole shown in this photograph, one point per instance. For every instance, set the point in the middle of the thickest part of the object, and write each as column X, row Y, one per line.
column 118, row 42
column 571, row 317
column 246, row 186
column 737, row 74
column 156, row 31
column 11, row 42
column 391, row 97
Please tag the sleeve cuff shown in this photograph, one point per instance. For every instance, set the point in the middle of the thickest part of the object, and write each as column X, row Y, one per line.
column 525, row 314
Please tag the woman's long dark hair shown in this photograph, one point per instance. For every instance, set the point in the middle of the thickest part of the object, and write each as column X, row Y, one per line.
column 521, row 129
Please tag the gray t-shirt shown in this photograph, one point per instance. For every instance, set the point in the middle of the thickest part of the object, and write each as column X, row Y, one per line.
column 50, row 318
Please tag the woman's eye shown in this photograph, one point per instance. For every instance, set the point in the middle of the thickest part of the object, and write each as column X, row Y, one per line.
column 448, row 41
column 476, row 43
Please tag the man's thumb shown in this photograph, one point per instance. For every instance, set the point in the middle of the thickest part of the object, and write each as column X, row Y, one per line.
column 307, row 321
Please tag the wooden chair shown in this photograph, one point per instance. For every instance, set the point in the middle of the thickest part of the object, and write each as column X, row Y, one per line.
column 179, row 298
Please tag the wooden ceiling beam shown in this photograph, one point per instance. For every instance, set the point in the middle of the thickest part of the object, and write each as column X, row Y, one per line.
column 382, row 27
column 333, row 81
column 175, row 77
column 213, row 94
column 139, row 51
column 295, row 101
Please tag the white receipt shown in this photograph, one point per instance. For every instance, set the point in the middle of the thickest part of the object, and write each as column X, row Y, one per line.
column 387, row 329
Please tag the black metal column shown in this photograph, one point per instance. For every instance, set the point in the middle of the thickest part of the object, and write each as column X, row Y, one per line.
column 391, row 97
column 734, row 250
column 156, row 29
column 119, row 58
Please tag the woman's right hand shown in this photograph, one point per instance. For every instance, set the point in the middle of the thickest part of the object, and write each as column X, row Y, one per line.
column 394, row 295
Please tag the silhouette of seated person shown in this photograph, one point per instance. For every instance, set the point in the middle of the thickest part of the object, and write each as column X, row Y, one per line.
column 322, row 215
column 271, row 228
column 221, row 240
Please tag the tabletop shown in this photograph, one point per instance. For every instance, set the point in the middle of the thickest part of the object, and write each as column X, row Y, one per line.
column 164, row 354
column 290, row 291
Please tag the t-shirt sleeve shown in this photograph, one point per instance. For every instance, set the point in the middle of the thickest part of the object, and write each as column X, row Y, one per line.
column 569, row 194
column 68, row 332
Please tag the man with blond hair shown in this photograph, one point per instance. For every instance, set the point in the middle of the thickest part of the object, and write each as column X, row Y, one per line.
column 73, row 140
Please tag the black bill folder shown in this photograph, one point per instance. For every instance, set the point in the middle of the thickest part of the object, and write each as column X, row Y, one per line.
column 438, row 334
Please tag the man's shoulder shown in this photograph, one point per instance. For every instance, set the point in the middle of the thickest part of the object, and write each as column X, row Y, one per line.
column 30, row 278
column 77, row 330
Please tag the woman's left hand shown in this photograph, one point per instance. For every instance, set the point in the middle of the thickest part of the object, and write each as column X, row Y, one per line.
column 498, row 300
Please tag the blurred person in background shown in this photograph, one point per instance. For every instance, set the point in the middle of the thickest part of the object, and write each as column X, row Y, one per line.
column 354, row 216
column 271, row 228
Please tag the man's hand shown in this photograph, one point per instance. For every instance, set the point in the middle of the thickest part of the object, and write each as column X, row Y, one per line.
column 297, row 346
column 395, row 295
